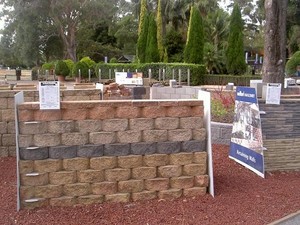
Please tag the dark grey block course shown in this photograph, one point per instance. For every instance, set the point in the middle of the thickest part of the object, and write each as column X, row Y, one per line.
column 143, row 148
column 168, row 147
column 63, row 152
column 118, row 149
column 33, row 153
column 90, row 151
column 194, row 146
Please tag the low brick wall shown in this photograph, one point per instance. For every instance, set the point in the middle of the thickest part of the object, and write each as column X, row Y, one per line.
column 98, row 151
column 181, row 92
column 221, row 133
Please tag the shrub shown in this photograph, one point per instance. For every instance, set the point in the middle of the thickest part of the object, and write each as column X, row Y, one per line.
column 48, row 66
column 62, row 69
column 89, row 62
column 113, row 60
column 83, row 67
column 292, row 63
column 70, row 64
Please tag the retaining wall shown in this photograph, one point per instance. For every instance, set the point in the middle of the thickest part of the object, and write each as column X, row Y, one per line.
column 103, row 151
column 7, row 113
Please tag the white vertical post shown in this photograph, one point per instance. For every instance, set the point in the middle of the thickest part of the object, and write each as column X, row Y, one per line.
column 173, row 74
column 79, row 74
column 164, row 74
column 89, row 75
column 189, row 77
column 159, row 74
column 99, row 75
column 179, row 76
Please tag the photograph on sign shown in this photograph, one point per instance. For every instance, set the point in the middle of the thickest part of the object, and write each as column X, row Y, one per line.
column 49, row 95
column 246, row 145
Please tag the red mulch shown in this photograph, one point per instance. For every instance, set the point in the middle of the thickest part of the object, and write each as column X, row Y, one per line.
column 242, row 197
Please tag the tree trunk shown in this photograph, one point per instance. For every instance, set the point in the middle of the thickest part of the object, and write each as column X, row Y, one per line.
column 275, row 41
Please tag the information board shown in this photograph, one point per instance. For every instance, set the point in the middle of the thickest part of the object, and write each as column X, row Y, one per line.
column 273, row 93
column 129, row 78
column 49, row 95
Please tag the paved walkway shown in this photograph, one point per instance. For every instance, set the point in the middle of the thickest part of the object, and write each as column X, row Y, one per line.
column 292, row 219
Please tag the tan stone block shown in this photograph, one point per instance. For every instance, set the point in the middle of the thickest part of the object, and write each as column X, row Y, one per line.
column 102, row 113
column 3, row 150
column 26, row 166
column 77, row 138
column 201, row 181
column 198, row 111
column 27, row 192
column 102, row 137
column 199, row 134
column 170, row 194
column 90, row 176
column 191, row 123
column 3, row 127
column 88, row 126
column 182, row 158
column 38, row 127
column 44, row 140
column 129, row 136
column 25, row 115
column 200, row 157
column 8, row 115
column 194, row 191
column 182, row 182
column 141, row 124
column 157, row 184
column 47, row 115
column 128, row 112
column 169, row 171
column 76, row 164
column 144, row 195
column 78, row 189
column 120, row 197
column 8, row 139
column 90, row 199
column 154, row 111
column 12, row 151
column 156, row 160
column 25, row 141
column 47, row 165
column 62, row 126
column 10, row 103
column 63, row 201
column 104, row 188
column 49, row 191
column 144, row 172
column 194, row 169
column 130, row 161
column 180, row 135
column 34, row 179
column 166, row 123
column 115, row 125
column 130, row 186
column 62, row 177
column 117, row 174
column 179, row 111
column 74, row 114
column 102, row 163
column 36, row 204
column 155, row 135
column 11, row 127
column 3, row 103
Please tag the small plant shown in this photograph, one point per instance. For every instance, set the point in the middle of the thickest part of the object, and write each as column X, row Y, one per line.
column 222, row 106
column 62, row 69
column 82, row 67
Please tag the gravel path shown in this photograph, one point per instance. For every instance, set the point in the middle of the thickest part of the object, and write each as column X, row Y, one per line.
column 242, row 197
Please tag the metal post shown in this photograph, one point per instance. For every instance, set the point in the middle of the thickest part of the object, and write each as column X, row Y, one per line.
column 164, row 74
column 159, row 75
column 89, row 75
column 179, row 76
column 109, row 74
column 189, row 77
column 173, row 74
column 99, row 75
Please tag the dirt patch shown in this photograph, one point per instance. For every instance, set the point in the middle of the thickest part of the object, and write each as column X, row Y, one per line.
column 242, row 197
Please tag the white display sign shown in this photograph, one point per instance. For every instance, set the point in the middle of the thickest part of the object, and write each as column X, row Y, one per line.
column 49, row 95
column 129, row 78
column 273, row 93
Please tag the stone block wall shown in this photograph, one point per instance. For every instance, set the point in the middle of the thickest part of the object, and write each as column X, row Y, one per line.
column 7, row 113
column 182, row 92
column 111, row 151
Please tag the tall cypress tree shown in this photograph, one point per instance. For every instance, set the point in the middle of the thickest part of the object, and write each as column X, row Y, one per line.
column 143, row 12
column 142, row 40
column 152, row 53
column 235, row 59
column 193, row 52
column 159, row 31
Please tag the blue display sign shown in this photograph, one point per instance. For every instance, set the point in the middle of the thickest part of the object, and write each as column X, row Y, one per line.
column 246, row 145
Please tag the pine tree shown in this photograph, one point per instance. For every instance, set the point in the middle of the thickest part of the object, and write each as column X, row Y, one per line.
column 235, row 61
column 142, row 40
column 152, row 53
column 143, row 13
column 193, row 52
column 159, row 31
